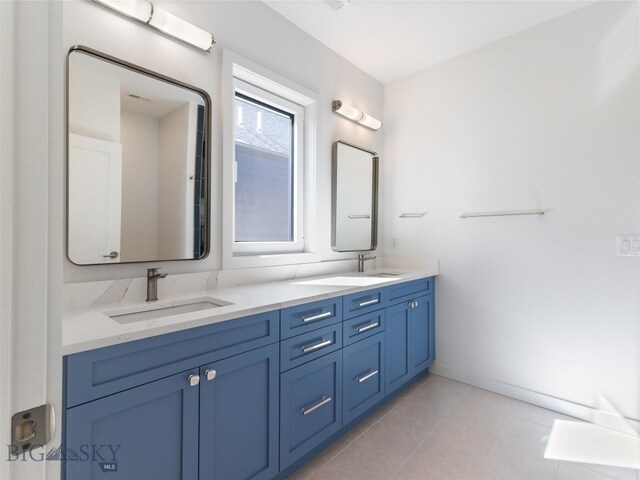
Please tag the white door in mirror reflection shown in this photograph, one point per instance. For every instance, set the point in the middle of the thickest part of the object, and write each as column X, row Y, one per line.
column 95, row 197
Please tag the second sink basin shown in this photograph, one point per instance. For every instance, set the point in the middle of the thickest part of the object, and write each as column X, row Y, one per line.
column 160, row 310
column 348, row 281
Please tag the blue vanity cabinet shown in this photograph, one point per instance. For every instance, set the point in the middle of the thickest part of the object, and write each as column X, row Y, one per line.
column 398, row 348
column 216, row 419
column 145, row 433
column 422, row 333
column 244, row 399
column 310, row 406
column 410, row 331
column 239, row 399
column 363, row 377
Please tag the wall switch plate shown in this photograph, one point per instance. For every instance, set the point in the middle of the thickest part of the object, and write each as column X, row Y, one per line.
column 628, row 245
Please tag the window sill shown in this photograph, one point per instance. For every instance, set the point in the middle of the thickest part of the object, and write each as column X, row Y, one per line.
column 244, row 260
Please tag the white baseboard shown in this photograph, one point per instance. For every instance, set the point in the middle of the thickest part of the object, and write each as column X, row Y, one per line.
column 604, row 418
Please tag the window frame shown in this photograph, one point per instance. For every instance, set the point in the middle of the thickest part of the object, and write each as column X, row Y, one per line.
column 237, row 67
column 296, row 245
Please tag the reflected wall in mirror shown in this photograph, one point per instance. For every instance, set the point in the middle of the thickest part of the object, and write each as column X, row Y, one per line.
column 137, row 164
column 355, row 198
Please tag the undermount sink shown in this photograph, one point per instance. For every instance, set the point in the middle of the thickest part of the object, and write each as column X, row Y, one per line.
column 383, row 274
column 160, row 310
column 348, row 281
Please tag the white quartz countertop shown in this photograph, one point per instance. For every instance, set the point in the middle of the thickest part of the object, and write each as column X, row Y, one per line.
column 88, row 328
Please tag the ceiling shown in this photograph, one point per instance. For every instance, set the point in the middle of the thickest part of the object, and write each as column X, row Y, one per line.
column 390, row 39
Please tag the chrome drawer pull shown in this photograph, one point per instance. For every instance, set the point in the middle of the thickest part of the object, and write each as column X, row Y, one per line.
column 323, row 401
column 369, row 326
column 319, row 316
column 373, row 301
column 310, row 348
column 367, row 376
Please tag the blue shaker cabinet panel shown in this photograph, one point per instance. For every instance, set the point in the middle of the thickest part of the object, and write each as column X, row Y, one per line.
column 310, row 406
column 407, row 290
column 98, row 373
column 360, row 303
column 359, row 328
column 363, row 378
column 310, row 316
column 146, row 433
column 398, row 363
column 421, row 321
column 239, row 417
column 295, row 351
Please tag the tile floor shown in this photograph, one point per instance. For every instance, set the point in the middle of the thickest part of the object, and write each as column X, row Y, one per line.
column 440, row 429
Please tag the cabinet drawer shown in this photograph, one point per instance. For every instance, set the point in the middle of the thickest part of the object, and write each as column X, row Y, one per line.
column 309, row 346
column 104, row 371
column 362, row 302
column 363, row 367
column 310, row 316
column 361, row 327
column 310, row 406
column 401, row 291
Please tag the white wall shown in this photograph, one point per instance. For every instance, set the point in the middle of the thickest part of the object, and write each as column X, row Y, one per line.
column 6, row 207
column 250, row 29
column 31, row 223
column 140, row 152
column 548, row 118
column 176, row 155
column 94, row 103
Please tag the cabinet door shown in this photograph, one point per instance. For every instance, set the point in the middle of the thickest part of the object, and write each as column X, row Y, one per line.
column 398, row 350
column 363, row 367
column 421, row 321
column 311, row 406
column 147, row 432
column 239, row 416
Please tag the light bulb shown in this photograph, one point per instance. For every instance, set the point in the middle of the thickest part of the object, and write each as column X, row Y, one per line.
column 180, row 29
column 138, row 9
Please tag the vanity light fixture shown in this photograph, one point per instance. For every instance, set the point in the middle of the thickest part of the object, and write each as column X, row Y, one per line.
column 161, row 20
column 356, row 115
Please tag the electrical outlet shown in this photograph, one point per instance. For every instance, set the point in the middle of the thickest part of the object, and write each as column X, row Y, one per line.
column 628, row 245
column 394, row 242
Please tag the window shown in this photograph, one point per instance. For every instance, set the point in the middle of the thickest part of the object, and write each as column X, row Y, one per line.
column 268, row 167
column 268, row 172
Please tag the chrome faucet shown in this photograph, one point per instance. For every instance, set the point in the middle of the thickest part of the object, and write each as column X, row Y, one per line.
column 361, row 259
column 152, row 283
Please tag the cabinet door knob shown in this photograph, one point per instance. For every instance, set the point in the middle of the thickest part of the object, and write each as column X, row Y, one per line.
column 210, row 374
column 194, row 380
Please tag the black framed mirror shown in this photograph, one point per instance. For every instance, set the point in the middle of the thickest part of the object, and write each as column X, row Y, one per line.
column 355, row 198
column 138, row 163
